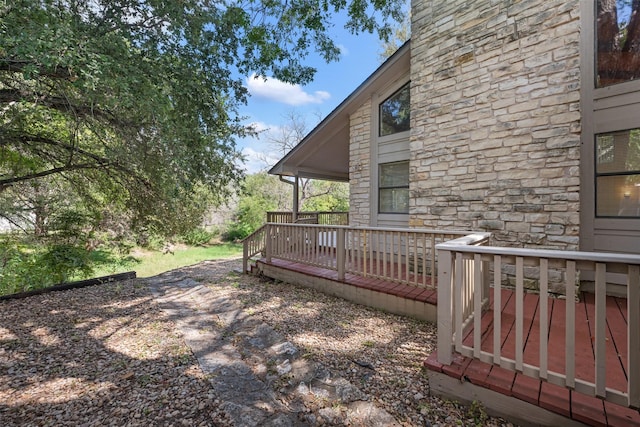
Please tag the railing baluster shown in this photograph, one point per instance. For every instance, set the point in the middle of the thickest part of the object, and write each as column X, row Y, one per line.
column 433, row 260
column 406, row 256
column 399, row 258
column 365, row 241
column 600, row 330
column 570, row 348
column 633, row 336
column 477, row 305
column 371, row 260
column 384, row 254
column 544, row 317
column 340, row 253
column 416, row 270
column 424, row 261
column 497, row 308
column 519, row 312
column 378, row 253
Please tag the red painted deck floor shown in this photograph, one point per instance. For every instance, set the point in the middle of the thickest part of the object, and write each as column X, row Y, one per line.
column 386, row 287
column 582, row 408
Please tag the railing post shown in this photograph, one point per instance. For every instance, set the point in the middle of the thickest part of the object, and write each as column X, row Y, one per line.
column 245, row 257
column 340, row 253
column 268, row 243
column 633, row 340
column 445, row 307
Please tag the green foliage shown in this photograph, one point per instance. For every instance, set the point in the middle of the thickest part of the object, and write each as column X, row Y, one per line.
column 198, row 236
column 327, row 196
column 63, row 262
column 135, row 102
column 26, row 267
column 477, row 413
column 237, row 231
column 261, row 193
column 120, row 117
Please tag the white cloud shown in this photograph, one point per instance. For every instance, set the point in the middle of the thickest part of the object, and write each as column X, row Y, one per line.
column 257, row 161
column 343, row 50
column 260, row 155
column 279, row 91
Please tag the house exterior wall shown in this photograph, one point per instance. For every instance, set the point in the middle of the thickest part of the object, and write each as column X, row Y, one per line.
column 360, row 166
column 495, row 125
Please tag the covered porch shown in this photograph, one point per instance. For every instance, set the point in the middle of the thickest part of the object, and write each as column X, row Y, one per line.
column 579, row 363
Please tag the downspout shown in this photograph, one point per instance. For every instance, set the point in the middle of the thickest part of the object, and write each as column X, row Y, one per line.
column 294, row 214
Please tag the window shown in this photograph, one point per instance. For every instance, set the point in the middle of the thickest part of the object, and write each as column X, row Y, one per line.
column 394, row 188
column 394, row 112
column 617, row 42
column 618, row 174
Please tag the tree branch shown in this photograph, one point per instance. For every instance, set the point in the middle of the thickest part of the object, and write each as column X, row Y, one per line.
column 60, row 103
column 14, row 180
column 18, row 66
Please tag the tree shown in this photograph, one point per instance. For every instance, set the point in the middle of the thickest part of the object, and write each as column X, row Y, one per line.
column 260, row 193
column 139, row 98
column 618, row 41
column 399, row 35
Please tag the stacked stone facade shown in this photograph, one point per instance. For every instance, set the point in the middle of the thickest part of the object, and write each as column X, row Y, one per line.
column 495, row 121
column 360, row 165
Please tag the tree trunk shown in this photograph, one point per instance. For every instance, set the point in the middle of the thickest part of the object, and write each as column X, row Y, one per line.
column 615, row 63
column 632, row 43
column 607, row 26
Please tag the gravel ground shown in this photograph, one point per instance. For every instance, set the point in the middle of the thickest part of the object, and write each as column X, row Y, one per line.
column 107, row 355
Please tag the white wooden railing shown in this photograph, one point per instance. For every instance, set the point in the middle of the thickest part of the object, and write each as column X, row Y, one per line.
column 399, row 255
column 253, row 245
column 462, row 286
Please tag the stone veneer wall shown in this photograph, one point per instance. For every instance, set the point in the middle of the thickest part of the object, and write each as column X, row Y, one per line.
column 360, row 166
column 495, row 119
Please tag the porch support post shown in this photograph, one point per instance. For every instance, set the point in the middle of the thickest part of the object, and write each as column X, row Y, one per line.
column 340, row 253
column 445, row 307
column 296, row 200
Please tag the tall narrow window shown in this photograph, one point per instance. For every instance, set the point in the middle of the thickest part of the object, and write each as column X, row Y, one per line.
column 395, row 112
column 617, row 41
column 618, row 174
column 394, row 188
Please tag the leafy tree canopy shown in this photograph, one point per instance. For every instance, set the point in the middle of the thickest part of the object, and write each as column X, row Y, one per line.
column 143, row 95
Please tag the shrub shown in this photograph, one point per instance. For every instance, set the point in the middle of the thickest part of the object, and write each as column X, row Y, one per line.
column 237, row 231
column 198, row 236
column 24, row 268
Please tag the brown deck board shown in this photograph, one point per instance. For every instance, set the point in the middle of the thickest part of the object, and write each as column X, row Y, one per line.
column 585, row 364
column 616, row 340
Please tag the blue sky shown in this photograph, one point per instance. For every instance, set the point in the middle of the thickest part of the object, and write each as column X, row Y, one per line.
column 272, row 101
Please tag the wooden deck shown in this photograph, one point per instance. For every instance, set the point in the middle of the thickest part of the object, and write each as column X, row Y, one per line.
column 560, row 400
column 422, row 294
column 556, row 399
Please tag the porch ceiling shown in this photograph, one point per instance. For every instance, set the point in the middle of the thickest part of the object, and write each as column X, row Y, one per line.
column 324, row 152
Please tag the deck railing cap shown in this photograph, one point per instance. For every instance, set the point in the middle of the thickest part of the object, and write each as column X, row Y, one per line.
column 457, row 245
column 461, row 233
